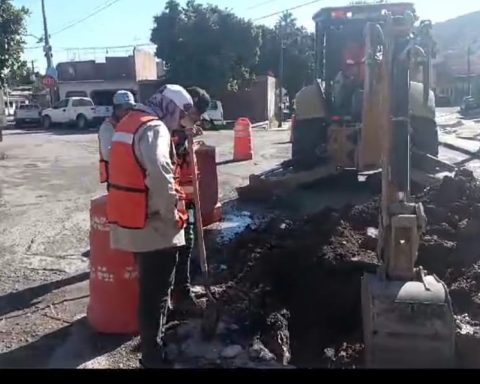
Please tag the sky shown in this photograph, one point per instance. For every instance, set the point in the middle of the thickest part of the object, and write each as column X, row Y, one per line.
column 129, row 22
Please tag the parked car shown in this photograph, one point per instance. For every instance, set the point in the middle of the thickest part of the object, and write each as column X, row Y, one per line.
column 469, row 105
column 28, row 114
column 3, row 115
column 443, row 101
column 213, row 117
column 79, row 111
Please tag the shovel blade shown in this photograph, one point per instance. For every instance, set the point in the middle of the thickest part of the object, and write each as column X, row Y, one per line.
column 210, row 320
column 407, row 324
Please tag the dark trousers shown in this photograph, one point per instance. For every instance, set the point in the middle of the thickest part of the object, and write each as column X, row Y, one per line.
column 156, row 277
column 182, row 274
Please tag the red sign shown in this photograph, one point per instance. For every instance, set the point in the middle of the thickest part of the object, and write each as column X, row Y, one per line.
column 48, row 82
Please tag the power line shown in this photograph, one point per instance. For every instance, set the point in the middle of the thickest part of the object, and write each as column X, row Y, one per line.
column 107, row 47
column 108, row 4
column 260, row 4
column 286, row 10
column 96, row 48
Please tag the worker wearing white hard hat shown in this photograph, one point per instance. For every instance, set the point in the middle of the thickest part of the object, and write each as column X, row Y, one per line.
column 123, row 102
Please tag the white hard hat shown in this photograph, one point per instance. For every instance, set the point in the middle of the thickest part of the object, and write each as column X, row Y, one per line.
column 123, row 98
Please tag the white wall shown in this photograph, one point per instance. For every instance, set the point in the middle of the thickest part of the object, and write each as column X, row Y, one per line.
column 271, row 90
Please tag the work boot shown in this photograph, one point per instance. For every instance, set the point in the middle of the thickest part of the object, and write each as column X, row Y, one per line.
column 184, row 302
column 155, row 359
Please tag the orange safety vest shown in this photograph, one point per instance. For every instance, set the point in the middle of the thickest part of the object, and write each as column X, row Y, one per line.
column 103, row 164
column 184, row 173
column 127, row 201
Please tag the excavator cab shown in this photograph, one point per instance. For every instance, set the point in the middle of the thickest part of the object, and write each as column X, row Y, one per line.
column 334, row 125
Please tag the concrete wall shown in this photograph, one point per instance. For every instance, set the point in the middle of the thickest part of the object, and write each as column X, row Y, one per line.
column 89, row 86
column 142, row 65
column 145, row 65
column 257, row 103
column 118, row 68
column 78, row 70
column 146, row 89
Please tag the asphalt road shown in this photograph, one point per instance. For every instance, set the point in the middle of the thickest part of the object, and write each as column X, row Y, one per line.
column 47, row 179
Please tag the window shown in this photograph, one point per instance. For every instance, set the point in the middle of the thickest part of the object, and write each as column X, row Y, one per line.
column 82, row 103
column 61, row 104
column 213, row 105
column 29, row 107
column 76, row 94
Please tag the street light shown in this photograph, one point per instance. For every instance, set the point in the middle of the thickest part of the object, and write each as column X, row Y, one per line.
column 39, row 39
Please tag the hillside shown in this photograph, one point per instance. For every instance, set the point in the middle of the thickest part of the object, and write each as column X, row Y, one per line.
column 453, row 37
column 456, row 34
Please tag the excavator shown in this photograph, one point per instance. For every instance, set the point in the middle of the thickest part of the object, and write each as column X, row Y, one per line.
column 336, row 129
column 378, row 115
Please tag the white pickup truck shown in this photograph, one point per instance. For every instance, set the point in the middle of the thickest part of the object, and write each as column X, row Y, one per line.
column 27, row 114
column 79, row 111
column 213, row 117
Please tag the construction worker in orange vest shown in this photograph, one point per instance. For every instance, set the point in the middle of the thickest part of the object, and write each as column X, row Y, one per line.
column 123, row 102
column 146, row 206
column 182, row 297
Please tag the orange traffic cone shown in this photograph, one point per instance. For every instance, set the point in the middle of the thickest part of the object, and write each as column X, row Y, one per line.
column 242, row 146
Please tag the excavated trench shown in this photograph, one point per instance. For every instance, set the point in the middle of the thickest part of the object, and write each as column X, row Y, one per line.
column 295, row 283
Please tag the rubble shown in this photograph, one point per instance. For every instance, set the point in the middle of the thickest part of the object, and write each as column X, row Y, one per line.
column 258, row 352
column 231, row 351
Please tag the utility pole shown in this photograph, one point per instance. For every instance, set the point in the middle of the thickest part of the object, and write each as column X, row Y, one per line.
column 47, row 48
column 469, row 69
column 280, row 80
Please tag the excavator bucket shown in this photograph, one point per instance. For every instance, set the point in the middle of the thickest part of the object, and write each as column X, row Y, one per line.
column 407, row 324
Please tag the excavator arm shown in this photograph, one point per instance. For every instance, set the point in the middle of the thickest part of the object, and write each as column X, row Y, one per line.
column 407, row 314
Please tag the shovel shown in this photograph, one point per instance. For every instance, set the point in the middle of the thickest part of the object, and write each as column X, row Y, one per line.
column 211, row 314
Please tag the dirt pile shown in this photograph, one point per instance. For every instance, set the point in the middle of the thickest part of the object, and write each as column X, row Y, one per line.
column 296, row 283
column 451, row 245
column 291, row 282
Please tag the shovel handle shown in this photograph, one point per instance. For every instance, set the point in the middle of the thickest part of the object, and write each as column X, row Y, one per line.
column 198, row 211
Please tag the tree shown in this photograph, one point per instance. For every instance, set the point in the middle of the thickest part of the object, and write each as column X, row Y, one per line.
column 12, row 30
column 20, row 73
column 206, row 46
column 299, row 53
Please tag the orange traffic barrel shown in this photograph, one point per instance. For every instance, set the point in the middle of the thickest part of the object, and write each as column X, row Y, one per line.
column 242, row 146
column 208, row 183
column 292, row 127
column 113, row 303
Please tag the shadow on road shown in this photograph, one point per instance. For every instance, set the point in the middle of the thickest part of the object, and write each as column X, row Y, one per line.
column 26, row 298
column 226, row 162
column 68, row 347
column 55, row 131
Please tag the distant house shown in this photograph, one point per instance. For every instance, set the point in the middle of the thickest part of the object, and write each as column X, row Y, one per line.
column 100, row 81
column 452, row 78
